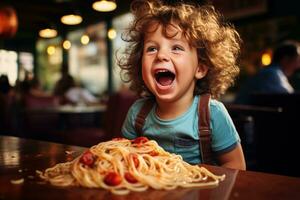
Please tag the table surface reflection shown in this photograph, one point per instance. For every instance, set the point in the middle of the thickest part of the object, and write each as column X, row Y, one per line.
column 19, row 158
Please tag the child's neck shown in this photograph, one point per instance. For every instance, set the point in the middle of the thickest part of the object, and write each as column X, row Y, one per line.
column 172, row 110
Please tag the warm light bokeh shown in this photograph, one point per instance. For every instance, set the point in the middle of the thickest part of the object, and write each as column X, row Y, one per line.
column 266, row 59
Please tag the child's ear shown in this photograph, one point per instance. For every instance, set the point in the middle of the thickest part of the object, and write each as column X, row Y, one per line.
column 201, row 71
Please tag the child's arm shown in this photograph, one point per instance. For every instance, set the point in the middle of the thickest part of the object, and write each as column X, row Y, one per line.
column 233, row 159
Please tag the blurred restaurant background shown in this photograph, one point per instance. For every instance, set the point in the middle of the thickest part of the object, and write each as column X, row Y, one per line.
column 44, row 43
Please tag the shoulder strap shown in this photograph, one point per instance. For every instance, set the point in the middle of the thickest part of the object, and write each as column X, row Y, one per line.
column 203, row 125
column 141, row 116
column 204, row 129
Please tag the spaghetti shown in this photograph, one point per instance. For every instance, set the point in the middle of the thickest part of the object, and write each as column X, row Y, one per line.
column 122, row 165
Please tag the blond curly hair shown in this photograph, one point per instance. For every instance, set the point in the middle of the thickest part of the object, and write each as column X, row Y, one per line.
column 217, row 43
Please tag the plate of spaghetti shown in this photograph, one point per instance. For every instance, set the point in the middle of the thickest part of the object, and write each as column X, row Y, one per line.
column 121, row 165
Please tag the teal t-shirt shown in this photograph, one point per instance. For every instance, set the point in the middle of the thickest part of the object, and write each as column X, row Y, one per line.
column 180, row 135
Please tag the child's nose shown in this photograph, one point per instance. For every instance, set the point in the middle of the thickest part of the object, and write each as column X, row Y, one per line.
column 162, row 55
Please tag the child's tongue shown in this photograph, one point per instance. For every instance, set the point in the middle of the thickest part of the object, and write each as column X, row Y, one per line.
column 165, row 80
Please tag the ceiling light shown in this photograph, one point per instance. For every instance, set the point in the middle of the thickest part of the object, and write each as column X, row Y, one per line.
column 48, row 33
column 67, row 44
column 104, row 5
column 51, row 50
column 112, row 34
column 71, row 19
column 85, row 39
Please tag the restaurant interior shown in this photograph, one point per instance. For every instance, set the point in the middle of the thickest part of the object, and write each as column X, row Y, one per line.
column 42, row 41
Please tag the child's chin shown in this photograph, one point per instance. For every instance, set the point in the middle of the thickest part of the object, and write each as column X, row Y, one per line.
column 165, row 98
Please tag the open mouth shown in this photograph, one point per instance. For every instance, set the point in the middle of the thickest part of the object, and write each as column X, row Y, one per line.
column 164, row 77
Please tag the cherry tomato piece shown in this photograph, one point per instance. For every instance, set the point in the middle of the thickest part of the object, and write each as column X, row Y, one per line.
column 87, row 158
column 153, row 153
column 135, row 159
column 112, row 179
column 140, row 140
column 130, row 178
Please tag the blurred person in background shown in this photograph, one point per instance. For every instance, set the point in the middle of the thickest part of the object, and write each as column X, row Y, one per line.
column 5, row 87
column 70, row 92
column 63, row 84
column 295, row 80
column 7, row 92
column 23, row 86
column 274, row 78
column 35, row 89
column 7, row 104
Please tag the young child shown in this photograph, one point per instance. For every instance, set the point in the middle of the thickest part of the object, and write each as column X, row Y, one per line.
column 176, row 53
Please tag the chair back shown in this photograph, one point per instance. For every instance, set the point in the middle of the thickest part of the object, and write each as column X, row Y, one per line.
column 36, row 122
column 118, row 106
column 31, row 101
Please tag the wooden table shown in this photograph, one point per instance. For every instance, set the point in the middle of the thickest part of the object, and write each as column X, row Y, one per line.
column 19, row 158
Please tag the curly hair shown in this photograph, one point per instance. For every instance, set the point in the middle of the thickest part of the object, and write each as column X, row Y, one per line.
column 217, row 43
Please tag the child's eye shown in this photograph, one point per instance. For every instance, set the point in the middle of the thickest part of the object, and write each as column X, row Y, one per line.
column 178, row 48
column 150, row 49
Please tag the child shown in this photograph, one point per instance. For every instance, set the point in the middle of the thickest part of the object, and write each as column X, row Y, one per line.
column 177, row 53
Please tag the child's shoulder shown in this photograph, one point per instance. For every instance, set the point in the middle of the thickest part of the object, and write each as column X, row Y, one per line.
column 217, row 108
column 213, row 103
column 216, row 103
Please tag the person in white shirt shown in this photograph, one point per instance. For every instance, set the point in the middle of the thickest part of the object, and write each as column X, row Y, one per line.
column 67, row 89
column 79, row 95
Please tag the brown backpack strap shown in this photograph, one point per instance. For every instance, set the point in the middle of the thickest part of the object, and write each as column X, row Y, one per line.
column 141, row 116
column 204, row 129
